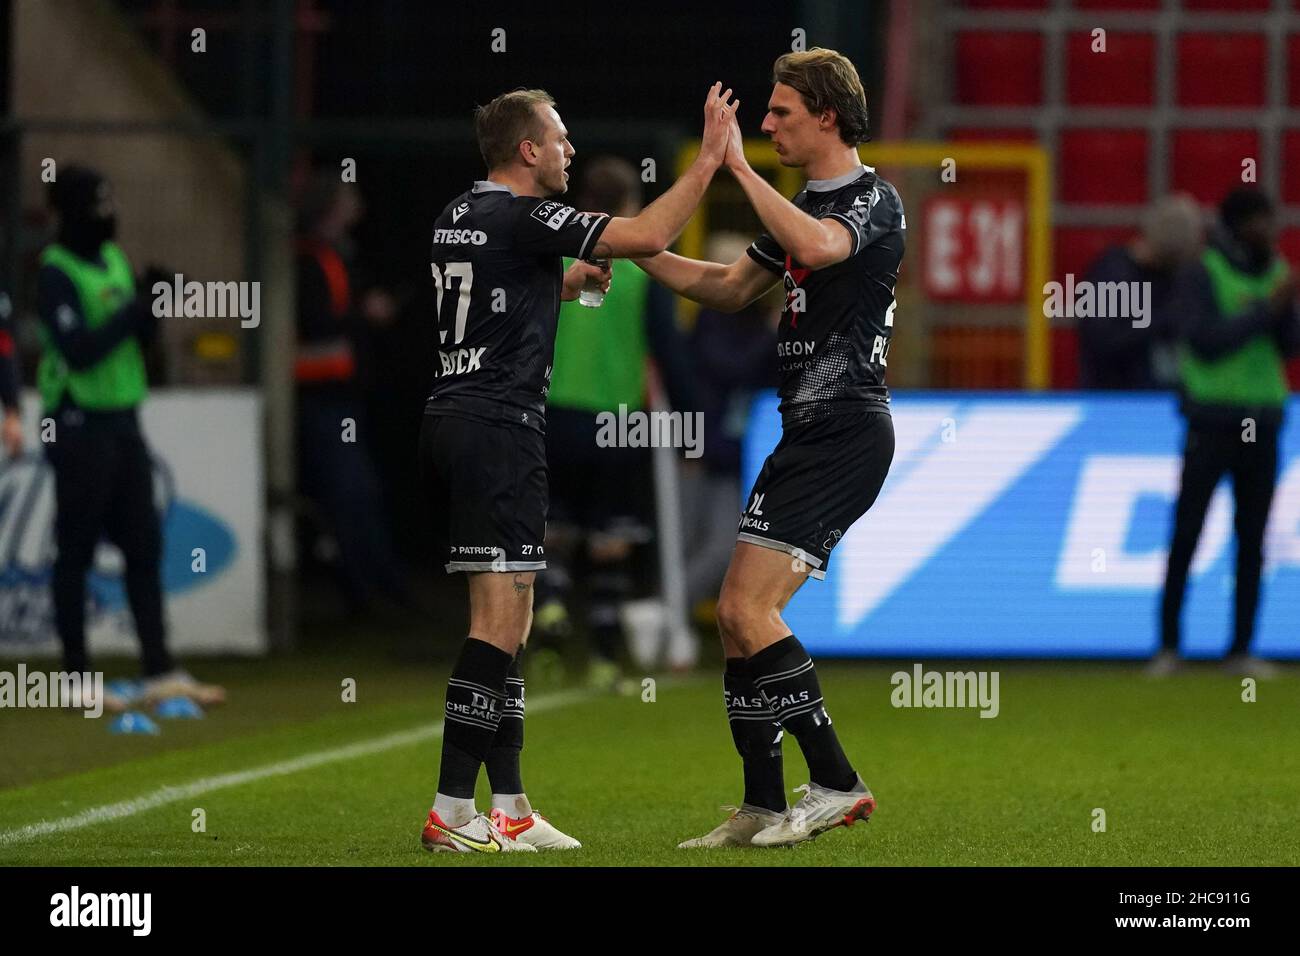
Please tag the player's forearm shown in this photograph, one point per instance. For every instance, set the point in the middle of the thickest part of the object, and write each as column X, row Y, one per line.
column 657, row 226
column 702, row 282
column 794, row 230
column 674, row 208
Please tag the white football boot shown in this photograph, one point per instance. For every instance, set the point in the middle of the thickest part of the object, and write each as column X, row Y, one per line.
column 819, row 810
column 476, row 836
column 533, row 831
column 737, row 830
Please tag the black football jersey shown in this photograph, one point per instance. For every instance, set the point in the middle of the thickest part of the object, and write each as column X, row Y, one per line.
column 498, row 271
column 833, row 339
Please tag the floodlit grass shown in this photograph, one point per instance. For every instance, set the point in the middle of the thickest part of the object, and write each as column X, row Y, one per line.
column 1186, row 772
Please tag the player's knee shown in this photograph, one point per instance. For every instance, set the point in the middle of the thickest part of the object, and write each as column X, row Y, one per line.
column 729, row 616
column 741, row 622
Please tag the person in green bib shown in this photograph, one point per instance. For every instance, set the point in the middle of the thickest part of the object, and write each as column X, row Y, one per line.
column 1238, row 323
column 91, row 378
column 601, row 494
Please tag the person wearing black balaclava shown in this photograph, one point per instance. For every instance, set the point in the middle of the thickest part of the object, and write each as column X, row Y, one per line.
column 1236, row 323
column 91, row 377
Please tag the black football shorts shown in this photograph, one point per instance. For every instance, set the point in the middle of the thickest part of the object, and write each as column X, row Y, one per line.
column 487, row 489
column 821, row 477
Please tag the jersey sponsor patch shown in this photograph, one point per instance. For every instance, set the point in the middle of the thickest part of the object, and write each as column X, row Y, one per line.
column 860, row 209
column 552, row 213
column 459, row 237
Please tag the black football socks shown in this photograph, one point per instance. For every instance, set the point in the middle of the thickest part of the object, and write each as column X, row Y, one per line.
column 757, row 734
column 785, row 676
column 475, row 703
column 503, row 756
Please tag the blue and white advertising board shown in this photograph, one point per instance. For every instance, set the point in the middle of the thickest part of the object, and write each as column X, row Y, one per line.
column 1028, row 526
column 208, row 485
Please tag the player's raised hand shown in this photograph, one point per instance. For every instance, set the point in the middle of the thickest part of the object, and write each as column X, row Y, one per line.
column 717, row 114
column 735, row 158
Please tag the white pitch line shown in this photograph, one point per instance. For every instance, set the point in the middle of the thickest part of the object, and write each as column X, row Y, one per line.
column 171, row 794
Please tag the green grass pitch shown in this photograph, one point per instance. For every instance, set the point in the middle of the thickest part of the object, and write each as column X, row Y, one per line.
column 287, row 774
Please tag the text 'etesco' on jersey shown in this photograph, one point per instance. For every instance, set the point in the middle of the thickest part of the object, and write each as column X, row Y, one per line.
column 498, row 271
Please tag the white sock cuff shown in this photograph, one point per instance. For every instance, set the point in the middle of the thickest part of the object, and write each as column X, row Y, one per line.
column 514, row 805
column 454, row 811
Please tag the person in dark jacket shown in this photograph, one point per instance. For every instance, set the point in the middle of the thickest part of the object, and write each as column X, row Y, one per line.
column 335, row 468
column 1113, row 352
column 1237, row 322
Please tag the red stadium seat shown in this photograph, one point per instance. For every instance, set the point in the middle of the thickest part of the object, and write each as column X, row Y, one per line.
column 1221, row 69
column 998, row 69
column 1122, row 76
column 1078, row 246
column 1207, row 163
column 1102, row 166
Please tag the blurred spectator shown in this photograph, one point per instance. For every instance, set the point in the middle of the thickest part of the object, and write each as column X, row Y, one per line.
column 1237, row 319
column 734, row 356
column 335, row 469
column 1113, row 354
column 94, row 331
column 601, row 497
